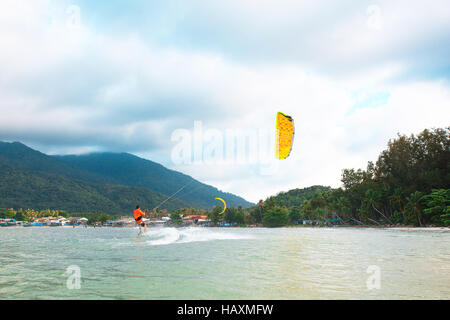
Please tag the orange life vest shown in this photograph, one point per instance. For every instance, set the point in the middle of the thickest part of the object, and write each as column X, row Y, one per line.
column 138, row 214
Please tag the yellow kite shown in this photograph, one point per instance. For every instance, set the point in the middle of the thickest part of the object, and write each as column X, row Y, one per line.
column 224, row 205
column 285, row 136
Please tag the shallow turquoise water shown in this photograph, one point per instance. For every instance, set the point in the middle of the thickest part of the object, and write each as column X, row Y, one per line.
column 224, row 263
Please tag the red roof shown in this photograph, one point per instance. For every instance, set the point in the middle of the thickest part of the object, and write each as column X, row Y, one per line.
column 197, row 217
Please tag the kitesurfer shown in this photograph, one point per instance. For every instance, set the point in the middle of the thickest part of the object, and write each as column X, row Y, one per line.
column 138, row 214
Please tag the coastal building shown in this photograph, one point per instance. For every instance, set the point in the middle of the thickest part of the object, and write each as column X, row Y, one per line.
column 123, row 222
column 194, row 218
column 156, row 222
column 7, row 222
column 204, row 222
column 54, row 223
column 227, row 224
column 76, row 221
column 108, row 223
column 199, row 220
column 59, row 222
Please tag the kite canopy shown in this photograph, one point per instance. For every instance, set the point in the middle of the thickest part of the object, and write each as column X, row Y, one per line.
column 285, row 136
column 224, row 205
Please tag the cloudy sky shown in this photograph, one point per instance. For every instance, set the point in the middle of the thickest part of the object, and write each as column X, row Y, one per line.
column 82, row 76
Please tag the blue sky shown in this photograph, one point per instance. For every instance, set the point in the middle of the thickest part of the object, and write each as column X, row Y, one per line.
column 126, row 74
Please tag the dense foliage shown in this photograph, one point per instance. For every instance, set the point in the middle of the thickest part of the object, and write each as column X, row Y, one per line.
column 408, row 185
column 276, row 211
column 295, row 197
column 401, row 187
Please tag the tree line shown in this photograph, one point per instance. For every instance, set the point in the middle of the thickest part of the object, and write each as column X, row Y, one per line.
column 30, row 215
column 408, row 185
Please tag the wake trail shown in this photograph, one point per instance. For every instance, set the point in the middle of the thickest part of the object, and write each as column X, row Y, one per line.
column 166, row 236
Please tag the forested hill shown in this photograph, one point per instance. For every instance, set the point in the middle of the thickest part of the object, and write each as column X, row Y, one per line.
column 105, row 182
column 127, row 169
column 38, row 190
column 22, row 157
column 295, row 197
column 409, row 184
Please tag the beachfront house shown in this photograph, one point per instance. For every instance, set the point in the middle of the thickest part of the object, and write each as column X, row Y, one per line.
column 76, row 221
column 54, row 223
column 156, row 222
column 199, row 220
column 7, row 222
column 108, row 223
column 123, row 222
column 204, row 222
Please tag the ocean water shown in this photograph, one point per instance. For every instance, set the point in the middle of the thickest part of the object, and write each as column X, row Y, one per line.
column 224, row 263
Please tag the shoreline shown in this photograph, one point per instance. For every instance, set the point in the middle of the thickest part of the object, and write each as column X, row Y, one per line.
column 412, row 228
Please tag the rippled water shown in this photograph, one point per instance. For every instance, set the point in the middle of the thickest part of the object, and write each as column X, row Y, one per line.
column 215, row 263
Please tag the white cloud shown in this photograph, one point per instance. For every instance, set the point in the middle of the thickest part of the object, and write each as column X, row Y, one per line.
column 88, row 89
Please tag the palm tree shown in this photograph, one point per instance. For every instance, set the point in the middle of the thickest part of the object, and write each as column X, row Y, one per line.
column 307, row 209
column 344, row 208
column 414, row 206
column 260, row 210
column 372, row 197
column 397, row 200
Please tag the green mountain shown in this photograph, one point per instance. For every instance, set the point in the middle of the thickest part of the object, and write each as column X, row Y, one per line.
column 20, row 156
column 105, row 182
column 26, row 189
column 127, row 169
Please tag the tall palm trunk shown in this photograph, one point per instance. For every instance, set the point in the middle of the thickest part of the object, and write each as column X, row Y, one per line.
column 373, row 206
column 373, row 221
column 418, row 217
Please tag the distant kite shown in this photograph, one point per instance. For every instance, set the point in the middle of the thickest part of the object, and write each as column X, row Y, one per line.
column 224, row 205
column 285, row 136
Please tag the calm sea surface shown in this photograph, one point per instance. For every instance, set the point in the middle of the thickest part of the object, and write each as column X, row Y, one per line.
column 224, row 263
